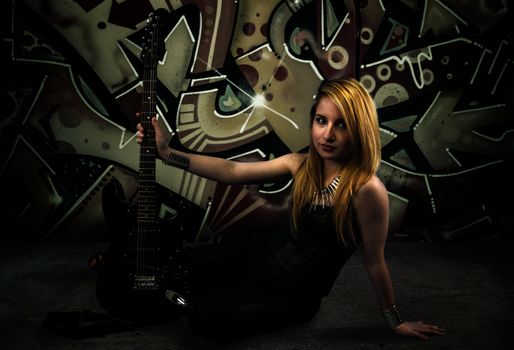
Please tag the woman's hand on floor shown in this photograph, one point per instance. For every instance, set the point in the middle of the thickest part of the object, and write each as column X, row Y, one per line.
column 418, row 330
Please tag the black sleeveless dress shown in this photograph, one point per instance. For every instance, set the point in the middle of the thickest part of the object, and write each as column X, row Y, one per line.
column 266, row 282
column 314, row 256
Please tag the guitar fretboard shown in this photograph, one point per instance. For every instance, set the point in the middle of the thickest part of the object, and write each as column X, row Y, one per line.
column 146, row 229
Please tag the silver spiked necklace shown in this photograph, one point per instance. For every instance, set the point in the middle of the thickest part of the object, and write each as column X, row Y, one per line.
column 325, row 195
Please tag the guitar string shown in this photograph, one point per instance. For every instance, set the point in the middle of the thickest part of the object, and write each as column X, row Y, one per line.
column 143, row 202
column 154, row 213
column 151, row 151
column 148, row 231
column 147, row 117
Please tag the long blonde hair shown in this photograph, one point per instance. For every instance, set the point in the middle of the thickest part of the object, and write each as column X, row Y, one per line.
column 360, row 116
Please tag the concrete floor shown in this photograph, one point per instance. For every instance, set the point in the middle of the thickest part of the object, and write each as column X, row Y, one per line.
column 466, row 288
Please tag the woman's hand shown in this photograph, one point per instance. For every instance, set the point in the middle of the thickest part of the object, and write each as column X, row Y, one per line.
column 161, row 140
column 418, row 330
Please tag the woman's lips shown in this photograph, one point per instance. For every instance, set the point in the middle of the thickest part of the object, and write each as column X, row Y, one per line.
column 327, row 148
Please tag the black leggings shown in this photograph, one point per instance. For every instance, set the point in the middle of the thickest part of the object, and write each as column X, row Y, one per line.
column 232, row 297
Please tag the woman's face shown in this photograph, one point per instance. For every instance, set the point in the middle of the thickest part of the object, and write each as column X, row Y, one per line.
column 329, row 134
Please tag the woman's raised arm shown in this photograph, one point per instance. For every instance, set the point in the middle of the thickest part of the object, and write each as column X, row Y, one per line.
column 223, row 170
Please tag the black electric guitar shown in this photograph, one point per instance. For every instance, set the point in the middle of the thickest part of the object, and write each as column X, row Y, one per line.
column 145, row 277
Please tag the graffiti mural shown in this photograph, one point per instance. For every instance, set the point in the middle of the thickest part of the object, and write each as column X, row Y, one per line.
column 236, row 79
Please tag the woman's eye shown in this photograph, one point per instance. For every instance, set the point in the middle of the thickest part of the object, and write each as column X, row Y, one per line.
column 321, row 120
column 341, row 125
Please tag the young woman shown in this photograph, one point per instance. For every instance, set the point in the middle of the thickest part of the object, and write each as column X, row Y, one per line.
column 337, row 203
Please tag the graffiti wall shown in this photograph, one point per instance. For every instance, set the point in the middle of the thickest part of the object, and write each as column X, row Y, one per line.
column 235, row 79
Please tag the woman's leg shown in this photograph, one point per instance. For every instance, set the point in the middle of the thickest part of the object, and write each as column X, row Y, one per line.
column 230, row 296
column 247, row 308
column 217, row 264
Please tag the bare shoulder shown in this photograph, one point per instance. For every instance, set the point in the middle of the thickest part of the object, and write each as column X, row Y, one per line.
column 293, row 161
column 372, row 192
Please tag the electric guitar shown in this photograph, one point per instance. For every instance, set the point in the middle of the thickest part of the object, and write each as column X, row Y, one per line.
column 145, row 277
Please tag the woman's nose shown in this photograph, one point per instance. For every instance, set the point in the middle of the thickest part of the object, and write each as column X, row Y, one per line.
column 329, row 133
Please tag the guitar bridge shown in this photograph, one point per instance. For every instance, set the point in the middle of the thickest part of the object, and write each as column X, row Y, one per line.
column 145, row 282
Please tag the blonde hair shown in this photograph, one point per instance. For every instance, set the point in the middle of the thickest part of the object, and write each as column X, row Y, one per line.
column 360, row 116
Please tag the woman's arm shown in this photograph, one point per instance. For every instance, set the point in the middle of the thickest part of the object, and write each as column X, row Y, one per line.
column 227, row 171
column 371, row 205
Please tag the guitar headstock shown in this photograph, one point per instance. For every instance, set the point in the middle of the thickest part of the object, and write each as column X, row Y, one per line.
column 150, row 36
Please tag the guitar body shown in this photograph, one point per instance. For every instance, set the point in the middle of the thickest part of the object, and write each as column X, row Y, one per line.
column 155, row 291
column 144, row 278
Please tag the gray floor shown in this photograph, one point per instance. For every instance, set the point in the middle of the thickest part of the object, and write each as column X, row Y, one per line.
column 466, row 288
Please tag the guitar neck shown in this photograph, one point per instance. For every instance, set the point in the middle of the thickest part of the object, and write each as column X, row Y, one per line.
column 147, row 203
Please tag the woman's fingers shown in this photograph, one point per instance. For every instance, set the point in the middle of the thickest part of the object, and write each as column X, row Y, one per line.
column 419, row 330
column 436, row 330
column 430, row 329
column 419, row 335
column 160, row 137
